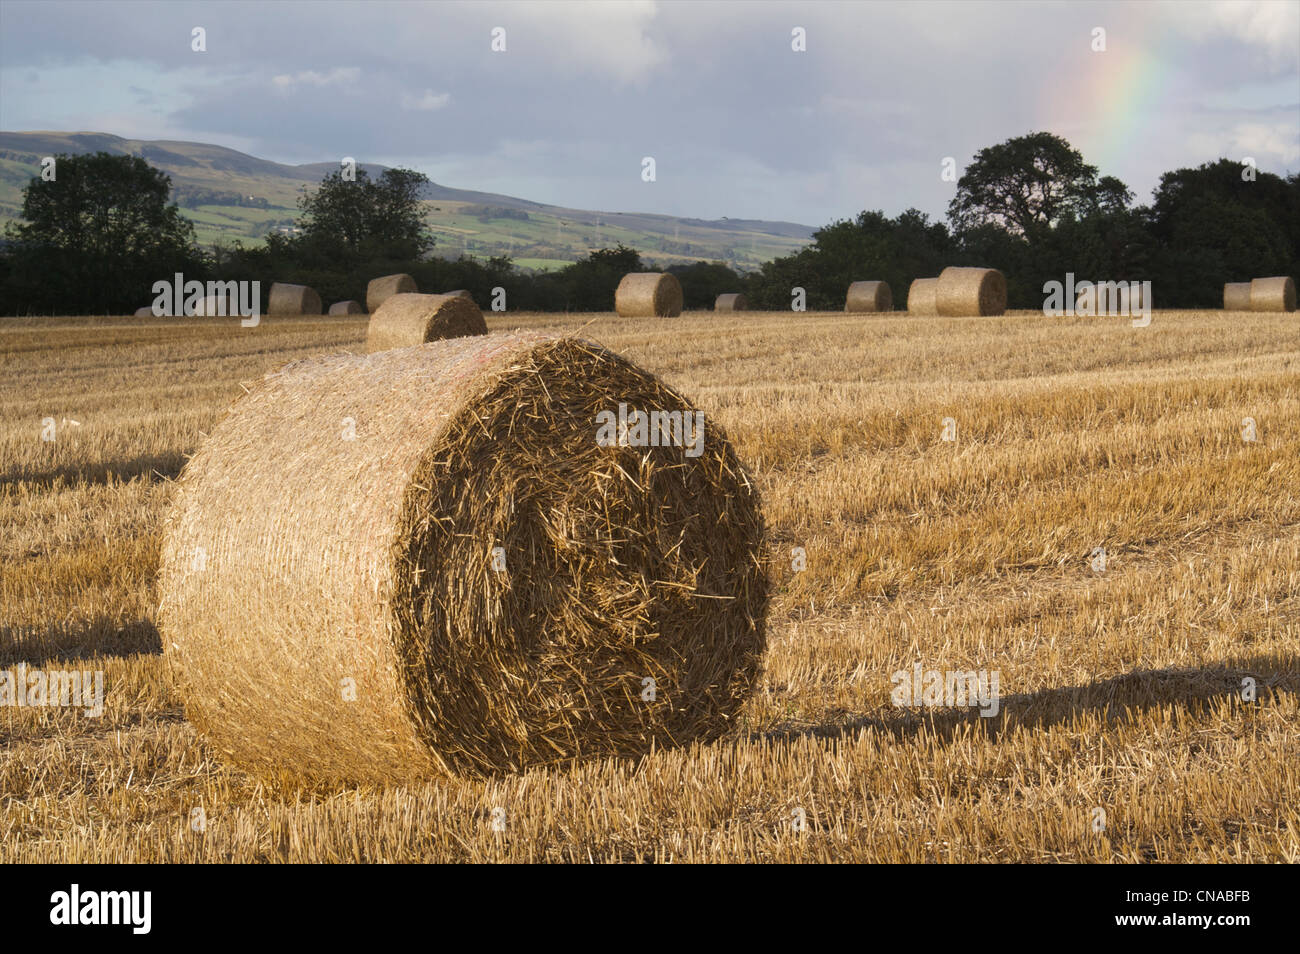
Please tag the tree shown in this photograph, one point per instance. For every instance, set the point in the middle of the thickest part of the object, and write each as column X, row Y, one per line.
column 97, row 236
column 347, row 221
column 589, row 283
column 872, row 246
column 106, row 206
column 1222, row 183
column 703, row 282
column 1028, row 184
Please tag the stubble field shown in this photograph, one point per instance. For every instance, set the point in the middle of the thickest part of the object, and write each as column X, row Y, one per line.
column 1122, row 732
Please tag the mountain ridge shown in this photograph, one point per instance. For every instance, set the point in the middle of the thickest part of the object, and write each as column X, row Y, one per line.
column 234, row 196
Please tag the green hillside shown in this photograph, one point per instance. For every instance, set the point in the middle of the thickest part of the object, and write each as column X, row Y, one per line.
column 232, row 197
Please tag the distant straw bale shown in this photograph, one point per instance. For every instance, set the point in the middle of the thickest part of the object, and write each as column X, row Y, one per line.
column 920, row 297
column 411, row 319
column 648, row 295
column 869, row 297
column 1272, row 294
column 1236, row 296
column 970, row 291
column 380, row 290
column 286, row 299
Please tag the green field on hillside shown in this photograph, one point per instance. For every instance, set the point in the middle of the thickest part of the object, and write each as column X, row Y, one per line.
column 470, row 223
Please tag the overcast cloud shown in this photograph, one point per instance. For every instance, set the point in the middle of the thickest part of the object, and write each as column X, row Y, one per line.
column 738, row 123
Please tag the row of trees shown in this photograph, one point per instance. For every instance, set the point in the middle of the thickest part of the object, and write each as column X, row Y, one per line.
column 96, row 238
column 1032, row 208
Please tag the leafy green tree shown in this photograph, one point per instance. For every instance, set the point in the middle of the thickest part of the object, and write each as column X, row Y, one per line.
column 1028, row 184
column 346, row 222
column 703, row 282
column 106, row 206
column 589, row 283
column 96, row 237
column 1185, row 198
column 871, row 247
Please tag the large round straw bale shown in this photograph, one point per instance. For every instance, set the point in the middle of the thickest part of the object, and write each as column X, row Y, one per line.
column 732, row 301
column 436, row 564
column 380, row 290
column 1272, row 294
column 286, row 299
column 920, row 296
column 970, row 291
column 460, row 293
column 145, row 312
column 406, row 320
column 348, row 307
column 869, row 296
column 1236, row 296
column 648, row 295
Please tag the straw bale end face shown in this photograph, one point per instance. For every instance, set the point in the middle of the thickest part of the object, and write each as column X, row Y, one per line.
column 406, row 320
column 470, row 581
column 379, row 290
column 648, row 295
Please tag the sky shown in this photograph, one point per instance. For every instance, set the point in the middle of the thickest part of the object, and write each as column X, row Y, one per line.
column 738, row 122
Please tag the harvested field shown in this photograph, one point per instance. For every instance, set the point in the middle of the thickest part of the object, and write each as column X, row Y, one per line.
column 1120, row 687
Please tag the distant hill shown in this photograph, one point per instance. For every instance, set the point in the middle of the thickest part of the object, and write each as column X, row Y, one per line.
column 232, row 196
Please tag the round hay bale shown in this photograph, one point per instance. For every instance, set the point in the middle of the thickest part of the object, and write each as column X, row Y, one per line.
column 145, row 312
column 286, row 299
column 468, row 581
column 214, row 306
column 1107, row 298
column 406, row 320
column 869, row 297
column 1132, row 298
column 1272, row 294
column 348, row 307
column 648, row 295
column 920, row 296
column 380, row 290
column 733, row 301
column 1236, row 296
column 459, row 293
column 970, row 291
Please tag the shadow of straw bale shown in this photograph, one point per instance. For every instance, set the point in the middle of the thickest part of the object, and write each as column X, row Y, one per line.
column 63, row 642
column 155, row 467
column 1119, row 699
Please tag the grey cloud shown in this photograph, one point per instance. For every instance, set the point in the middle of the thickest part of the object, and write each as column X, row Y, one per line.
column 739, row 124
